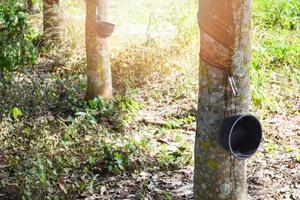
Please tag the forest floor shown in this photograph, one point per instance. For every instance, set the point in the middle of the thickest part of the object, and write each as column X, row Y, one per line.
column 56, row 145
column 273, row 173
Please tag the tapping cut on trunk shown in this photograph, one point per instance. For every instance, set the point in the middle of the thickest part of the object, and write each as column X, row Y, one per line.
column 225, row 52
column 99, row 81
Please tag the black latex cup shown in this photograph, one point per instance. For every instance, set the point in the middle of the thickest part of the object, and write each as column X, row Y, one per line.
column 241, row 135
column 105, row 29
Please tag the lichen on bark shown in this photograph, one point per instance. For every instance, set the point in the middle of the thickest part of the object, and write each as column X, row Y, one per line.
column 217, row 174
column 99, row 81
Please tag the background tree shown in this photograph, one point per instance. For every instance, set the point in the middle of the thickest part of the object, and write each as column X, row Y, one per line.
column 52, row 21
column 98, row 65
column 33, row 6
column 225, row 51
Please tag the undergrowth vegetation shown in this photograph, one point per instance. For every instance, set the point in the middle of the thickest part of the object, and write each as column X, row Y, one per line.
column 17, row 48
column 57, row 145
column 276, row 56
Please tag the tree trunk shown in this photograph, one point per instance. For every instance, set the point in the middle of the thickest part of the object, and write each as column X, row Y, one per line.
column 33, row 6
column 99, row 81
column 225, row 51
column 53, row 30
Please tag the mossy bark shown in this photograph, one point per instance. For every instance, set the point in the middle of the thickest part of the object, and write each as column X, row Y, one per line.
column 225, row 51
column 98, row 64
column 52, row 21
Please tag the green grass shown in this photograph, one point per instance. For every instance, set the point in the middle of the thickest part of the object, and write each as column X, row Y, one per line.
column 277, row 14
column 276, row 56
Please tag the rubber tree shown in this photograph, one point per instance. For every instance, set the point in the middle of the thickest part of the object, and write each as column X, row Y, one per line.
column 52, row 21
column 99, row 81
column 225, row 50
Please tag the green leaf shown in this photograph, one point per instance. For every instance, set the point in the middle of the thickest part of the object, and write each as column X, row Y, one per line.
column 289, row 149
column 298, row 157
column 16, row 113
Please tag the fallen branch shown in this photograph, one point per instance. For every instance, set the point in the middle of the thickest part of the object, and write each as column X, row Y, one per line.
column 163, row 123
column 154, row 122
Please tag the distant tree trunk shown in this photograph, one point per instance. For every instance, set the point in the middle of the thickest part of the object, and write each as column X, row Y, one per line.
column 225, row 51
column 53, row 30
column 33, row 6
column 98, row 64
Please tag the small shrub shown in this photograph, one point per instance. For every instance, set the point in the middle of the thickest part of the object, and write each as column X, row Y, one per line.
column 17, row 47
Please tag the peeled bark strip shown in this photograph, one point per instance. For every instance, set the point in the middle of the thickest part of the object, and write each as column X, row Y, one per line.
column 53, row 30
column 98, row 64
column 225, row 51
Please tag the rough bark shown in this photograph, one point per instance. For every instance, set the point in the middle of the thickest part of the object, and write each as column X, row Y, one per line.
column 99, row 81
column 52, row 21
column 225, row 51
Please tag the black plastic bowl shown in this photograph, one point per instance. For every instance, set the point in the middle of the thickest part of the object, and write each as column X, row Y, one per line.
column 241, row 135
column 105, row 29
